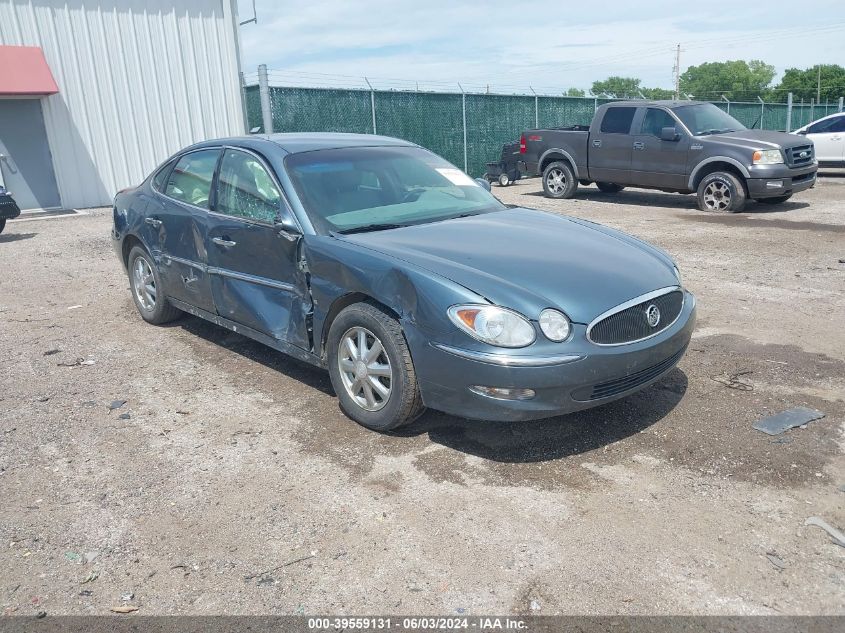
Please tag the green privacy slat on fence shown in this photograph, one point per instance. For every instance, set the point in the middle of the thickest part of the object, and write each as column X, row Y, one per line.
column 432, row 120
column 435, row 120
column 493, row 120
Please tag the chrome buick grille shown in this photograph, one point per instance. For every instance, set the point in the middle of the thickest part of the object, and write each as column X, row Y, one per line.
column 800, row 156
column 629, row 322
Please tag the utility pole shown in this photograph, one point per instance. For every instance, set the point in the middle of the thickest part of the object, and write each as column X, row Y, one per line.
column 819, row 86
column 678, row 73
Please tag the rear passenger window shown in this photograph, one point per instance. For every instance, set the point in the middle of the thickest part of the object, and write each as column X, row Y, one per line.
column 190, row 180
column 160, row 178
column 617, row 120
column 655, row 120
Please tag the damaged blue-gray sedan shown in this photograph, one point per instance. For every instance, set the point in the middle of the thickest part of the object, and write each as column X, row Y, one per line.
column 401, row 275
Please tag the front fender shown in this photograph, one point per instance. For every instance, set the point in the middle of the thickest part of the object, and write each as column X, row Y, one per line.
column 340, row 270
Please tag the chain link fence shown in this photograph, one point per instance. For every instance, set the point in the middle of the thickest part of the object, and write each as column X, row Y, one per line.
column 468, row 129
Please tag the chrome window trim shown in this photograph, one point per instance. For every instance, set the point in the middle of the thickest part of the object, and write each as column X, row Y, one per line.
column 508, row 360
column 629, row 304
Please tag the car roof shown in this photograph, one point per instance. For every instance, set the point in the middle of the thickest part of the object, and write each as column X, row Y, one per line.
column 666, row 103
column 297, row 142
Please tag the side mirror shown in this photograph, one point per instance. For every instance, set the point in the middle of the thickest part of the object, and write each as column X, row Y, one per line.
column 669, row 134
column 287, row 228
column 802, row 132
column 483, row 183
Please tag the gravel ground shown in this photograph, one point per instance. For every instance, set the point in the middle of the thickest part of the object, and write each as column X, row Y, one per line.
column 230, row 482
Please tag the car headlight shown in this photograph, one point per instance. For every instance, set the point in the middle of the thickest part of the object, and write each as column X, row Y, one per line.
column 768, row 157
column 493, row 325
column 555, row 325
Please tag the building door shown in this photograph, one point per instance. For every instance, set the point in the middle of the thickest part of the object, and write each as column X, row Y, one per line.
column 26, row 167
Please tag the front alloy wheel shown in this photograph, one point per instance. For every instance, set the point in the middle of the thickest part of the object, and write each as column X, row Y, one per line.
column 364, row 368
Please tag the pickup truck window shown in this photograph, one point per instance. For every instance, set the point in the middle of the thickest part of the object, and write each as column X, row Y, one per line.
column 705, row 118
column 617, row 120
column 655, row 120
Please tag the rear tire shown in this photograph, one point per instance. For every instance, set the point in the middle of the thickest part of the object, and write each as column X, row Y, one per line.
column 377, row 388
column 775, row 200
column 609, row 187
column 559, row 180
column 504, row 180
column 145, row 283
column 721, row 192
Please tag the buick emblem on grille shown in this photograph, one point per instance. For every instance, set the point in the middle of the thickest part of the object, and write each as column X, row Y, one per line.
column 652, row 315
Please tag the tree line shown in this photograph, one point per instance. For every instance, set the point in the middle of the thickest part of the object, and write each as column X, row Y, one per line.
column 735, row 80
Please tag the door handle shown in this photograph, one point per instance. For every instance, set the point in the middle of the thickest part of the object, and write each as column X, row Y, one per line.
column 639, row 145
column 597, row 143
column 224, row 243
column 153, row 222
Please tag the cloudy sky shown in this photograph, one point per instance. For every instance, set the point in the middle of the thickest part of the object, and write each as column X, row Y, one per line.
column 513, row 46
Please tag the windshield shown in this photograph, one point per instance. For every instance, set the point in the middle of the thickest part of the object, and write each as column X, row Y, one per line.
column 368, row 188
column 705, row 118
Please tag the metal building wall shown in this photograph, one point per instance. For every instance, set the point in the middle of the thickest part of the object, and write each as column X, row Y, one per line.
column 138, row 79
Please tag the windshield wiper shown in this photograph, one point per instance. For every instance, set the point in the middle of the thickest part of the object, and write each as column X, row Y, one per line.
column 371, row 227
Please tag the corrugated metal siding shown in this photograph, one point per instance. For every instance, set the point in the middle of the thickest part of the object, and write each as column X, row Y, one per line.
column 138, row 79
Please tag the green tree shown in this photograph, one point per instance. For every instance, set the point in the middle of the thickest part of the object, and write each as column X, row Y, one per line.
column 737, row 80
column 617, row 88
column 657, row 93
column 803, row 84
column 574, row 92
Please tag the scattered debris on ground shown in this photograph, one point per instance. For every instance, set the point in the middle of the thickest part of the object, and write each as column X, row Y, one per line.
column 791, row 418
column 732, row 381
column 837, row 536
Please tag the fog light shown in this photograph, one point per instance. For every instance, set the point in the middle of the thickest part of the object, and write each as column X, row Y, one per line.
column 503, row 393
column 774, row 184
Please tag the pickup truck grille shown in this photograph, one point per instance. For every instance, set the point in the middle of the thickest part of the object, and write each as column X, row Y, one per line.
column 631, row 324
column 799, row 156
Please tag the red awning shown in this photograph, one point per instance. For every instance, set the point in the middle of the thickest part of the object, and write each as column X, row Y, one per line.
column 24, row 71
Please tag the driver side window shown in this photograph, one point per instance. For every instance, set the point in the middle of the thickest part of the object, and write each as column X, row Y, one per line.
column 655, row 120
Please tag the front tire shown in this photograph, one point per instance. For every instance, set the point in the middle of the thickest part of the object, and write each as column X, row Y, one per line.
column 609, row 187
column 504, row 180
column 775, row 200
column 721, row 192
column 559, row 180
column 145, row 283
column 371, row 368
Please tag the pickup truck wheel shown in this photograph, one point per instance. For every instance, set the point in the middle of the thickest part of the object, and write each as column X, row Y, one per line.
column 609, row 187
column 775, row 200
column 145, row 283
column 559, row 181
column 504, row 180
column 721, row 192
column 371, row 368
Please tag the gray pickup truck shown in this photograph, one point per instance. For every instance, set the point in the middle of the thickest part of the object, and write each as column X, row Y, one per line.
column 676, row 146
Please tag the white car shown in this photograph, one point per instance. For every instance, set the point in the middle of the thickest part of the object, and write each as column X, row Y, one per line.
column 828, row 135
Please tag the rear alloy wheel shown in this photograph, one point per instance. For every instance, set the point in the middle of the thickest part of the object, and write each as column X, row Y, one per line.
column 504, row 180
column 371, row 368
column 775, row 200
column 721, row 192
column 145, row 283
column 609, row 187
column 559, row 181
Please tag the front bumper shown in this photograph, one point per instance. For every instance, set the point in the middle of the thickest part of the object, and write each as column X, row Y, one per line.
column 770, row 181
column 592, row 375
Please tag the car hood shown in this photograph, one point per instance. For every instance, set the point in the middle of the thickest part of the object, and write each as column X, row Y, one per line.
column 528, row 260
column 758, row 139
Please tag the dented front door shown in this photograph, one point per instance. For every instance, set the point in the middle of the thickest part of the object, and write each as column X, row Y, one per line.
column 255, row 274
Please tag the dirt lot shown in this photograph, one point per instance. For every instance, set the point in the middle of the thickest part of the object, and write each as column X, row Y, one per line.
column 230, row 482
